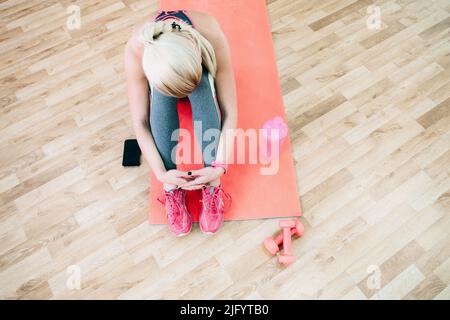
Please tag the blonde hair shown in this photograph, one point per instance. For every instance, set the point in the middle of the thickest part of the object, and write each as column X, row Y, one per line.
column 173, row 56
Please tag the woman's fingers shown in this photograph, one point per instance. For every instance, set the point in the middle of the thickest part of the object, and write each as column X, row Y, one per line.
column 178, row 181
column 199, row 180
column 189, row 183
column 197, row 172
column 194, row 187
column 180, row 173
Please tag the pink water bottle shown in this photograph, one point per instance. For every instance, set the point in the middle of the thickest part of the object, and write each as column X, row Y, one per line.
column 273, row 131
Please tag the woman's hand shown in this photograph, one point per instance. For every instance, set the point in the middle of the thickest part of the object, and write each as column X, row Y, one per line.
column 202, row 177
column 173, row 176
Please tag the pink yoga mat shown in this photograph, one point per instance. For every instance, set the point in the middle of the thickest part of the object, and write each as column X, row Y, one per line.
column 246, row 26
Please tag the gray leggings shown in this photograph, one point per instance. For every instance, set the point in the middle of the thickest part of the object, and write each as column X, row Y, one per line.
column 164, row 120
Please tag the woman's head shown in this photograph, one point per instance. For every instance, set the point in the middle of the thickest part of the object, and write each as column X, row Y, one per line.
column 173, row 57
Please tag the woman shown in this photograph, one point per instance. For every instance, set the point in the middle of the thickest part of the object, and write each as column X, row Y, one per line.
column 181, row 54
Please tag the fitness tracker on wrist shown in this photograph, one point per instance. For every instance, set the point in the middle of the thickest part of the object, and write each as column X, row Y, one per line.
column 220, row 164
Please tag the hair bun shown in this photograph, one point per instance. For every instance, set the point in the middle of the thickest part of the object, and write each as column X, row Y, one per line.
column 151, row 31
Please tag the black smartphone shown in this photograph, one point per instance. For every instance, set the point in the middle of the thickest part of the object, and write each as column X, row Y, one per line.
column 131, row 153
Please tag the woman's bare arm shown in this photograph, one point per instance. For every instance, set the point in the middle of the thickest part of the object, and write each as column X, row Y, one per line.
column 139, row 106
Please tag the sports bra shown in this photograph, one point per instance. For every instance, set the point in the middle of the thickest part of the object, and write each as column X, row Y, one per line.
column 177, row 14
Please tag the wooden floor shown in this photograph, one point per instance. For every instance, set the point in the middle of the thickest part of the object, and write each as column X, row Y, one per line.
column 369, row 119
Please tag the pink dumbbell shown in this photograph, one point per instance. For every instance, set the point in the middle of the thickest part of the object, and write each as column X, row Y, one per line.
column 273, row 244
column 286, row 257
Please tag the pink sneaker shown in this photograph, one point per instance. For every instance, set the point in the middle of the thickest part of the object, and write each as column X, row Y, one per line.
column 178, row 216
column 211, row 217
